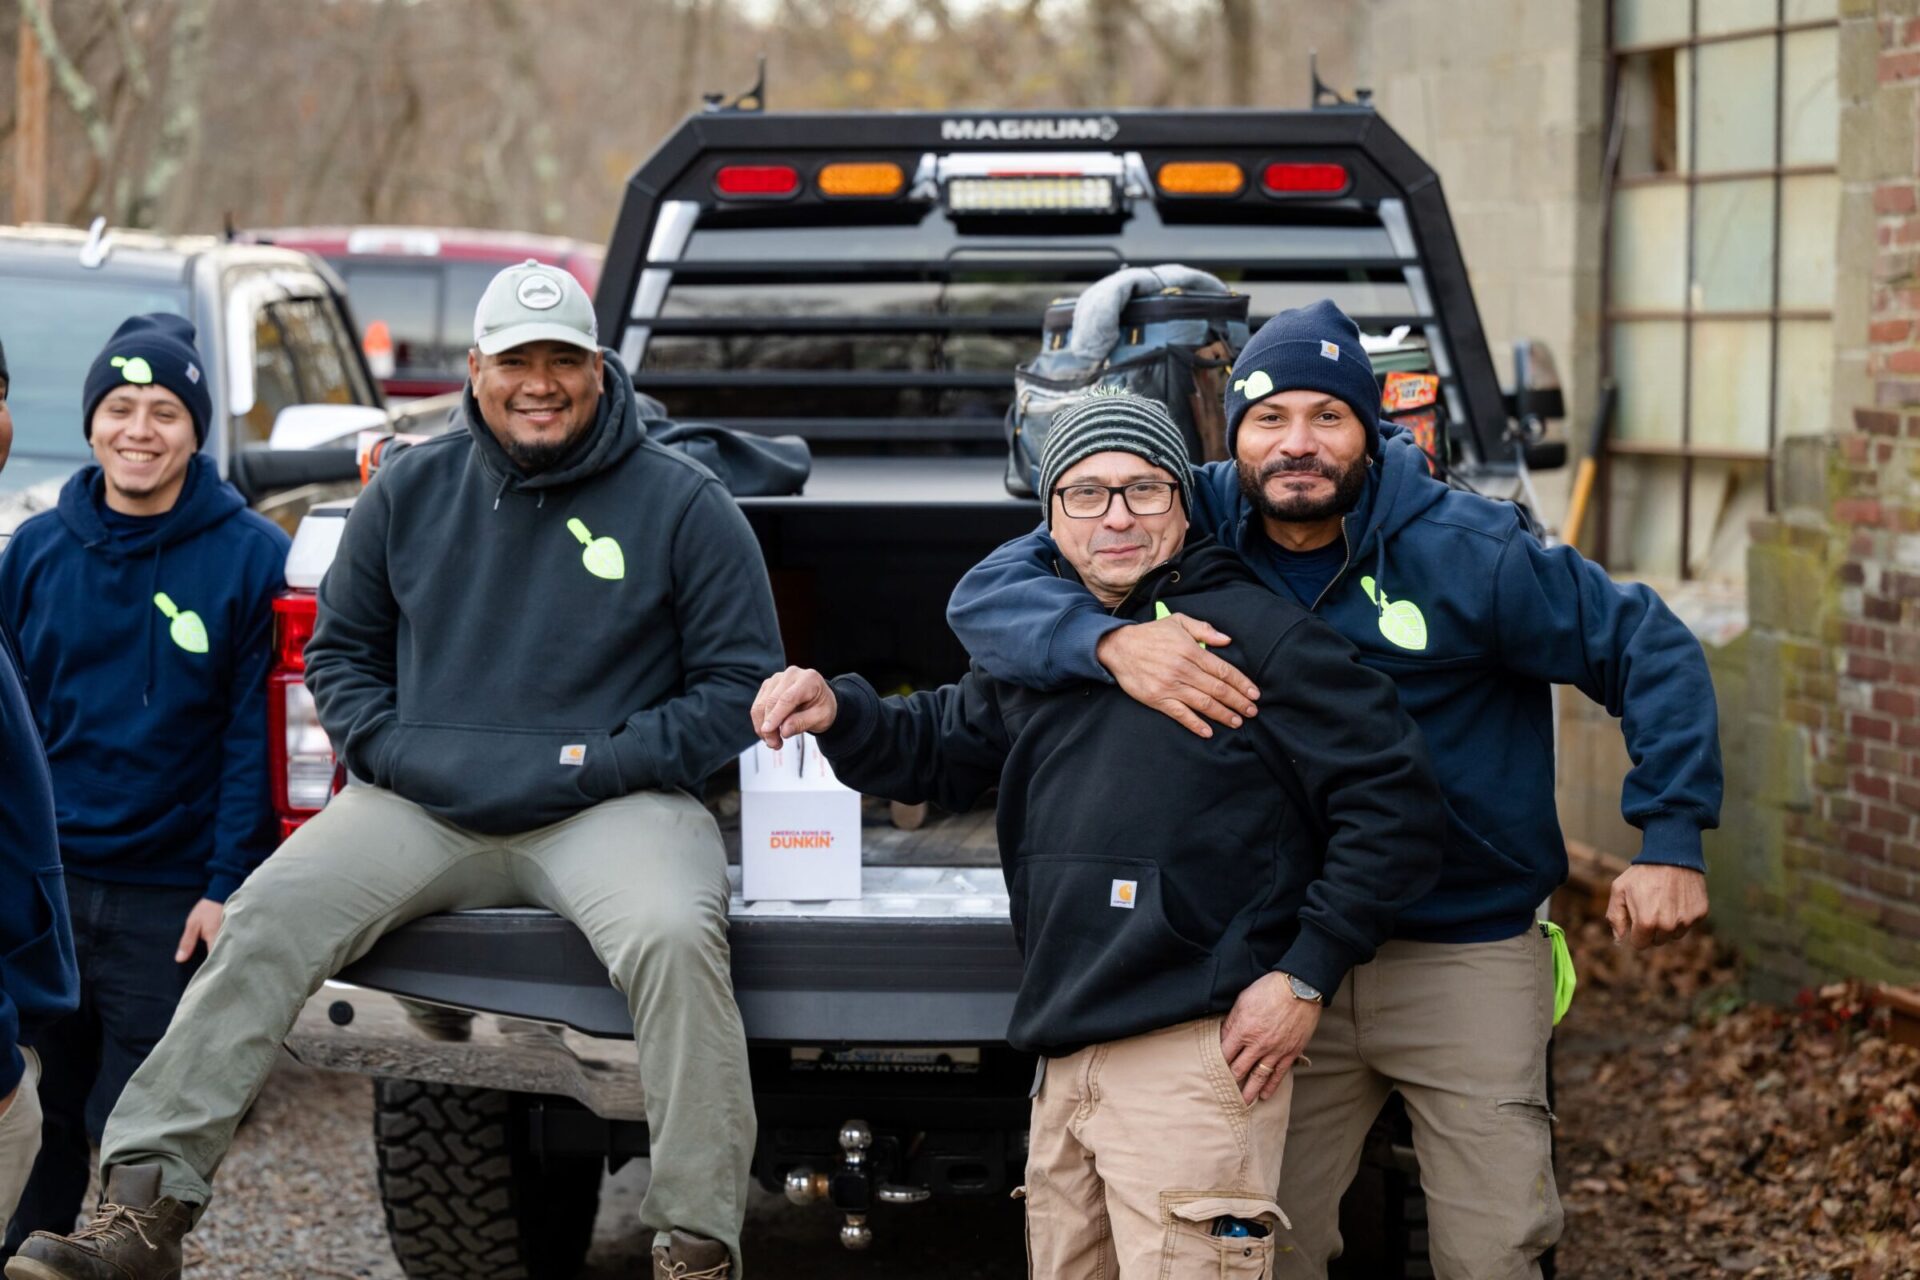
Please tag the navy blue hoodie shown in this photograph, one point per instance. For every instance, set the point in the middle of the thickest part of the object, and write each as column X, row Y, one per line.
column 1474, row 620
column 38, row 980
column 147, row 671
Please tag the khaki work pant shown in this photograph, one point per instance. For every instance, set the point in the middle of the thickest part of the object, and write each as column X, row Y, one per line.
column 19, row 1137
column 1136, row 1147
column 643, row 876
column 1460, row 1030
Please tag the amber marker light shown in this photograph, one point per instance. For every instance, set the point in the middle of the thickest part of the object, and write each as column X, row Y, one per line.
column 1201, row 178
column 870, row 180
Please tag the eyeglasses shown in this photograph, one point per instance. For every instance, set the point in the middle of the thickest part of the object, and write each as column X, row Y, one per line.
column 1142, row 498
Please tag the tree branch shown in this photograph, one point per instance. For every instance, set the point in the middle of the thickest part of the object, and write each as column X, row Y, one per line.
column 130, row 55
column 73, row 85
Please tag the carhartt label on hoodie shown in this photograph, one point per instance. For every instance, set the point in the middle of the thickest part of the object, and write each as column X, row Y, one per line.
column 1124, row 892
column 574, row 753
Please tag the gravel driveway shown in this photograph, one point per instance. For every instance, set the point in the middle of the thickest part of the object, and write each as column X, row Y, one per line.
column 297, row 1199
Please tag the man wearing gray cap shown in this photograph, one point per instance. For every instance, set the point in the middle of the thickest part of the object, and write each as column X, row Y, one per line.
column 1178, row 912
column 537, row 634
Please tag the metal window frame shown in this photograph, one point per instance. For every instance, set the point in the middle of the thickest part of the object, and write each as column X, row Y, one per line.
column 1686, row 452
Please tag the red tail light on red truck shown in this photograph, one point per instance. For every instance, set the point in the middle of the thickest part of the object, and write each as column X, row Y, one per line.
column 302, row 757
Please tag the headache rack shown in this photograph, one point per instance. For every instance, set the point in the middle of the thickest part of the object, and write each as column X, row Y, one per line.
column 891, row 324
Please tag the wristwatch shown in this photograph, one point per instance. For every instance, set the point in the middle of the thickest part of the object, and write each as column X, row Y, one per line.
column 1304, row 990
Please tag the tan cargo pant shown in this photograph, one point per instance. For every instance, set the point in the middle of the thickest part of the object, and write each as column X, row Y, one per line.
column 643, row 876
column 19, row 1137
column 1460, row 1030
column 1136, row 1147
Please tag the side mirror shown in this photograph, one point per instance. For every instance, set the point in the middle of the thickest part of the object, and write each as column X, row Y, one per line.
column 1536, row 398
column 313, row 426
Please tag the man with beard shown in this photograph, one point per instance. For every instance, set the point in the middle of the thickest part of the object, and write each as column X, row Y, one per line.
column 1475, row 620
column 538, row 632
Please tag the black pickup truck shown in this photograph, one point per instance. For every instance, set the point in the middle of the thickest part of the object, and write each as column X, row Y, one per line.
column 868, row 282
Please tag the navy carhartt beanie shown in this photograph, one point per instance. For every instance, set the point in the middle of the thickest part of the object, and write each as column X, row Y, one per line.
column 1311, row 348
column 156, row 351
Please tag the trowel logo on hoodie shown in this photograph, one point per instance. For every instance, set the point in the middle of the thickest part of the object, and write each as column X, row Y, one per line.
column 184, row 627
column 1400, row 620
column 602, row 556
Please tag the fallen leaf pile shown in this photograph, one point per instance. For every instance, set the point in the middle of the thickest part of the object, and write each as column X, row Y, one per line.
column 1704, row 1136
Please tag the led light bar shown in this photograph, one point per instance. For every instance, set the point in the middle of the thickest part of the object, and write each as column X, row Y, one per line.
column 1033, row 193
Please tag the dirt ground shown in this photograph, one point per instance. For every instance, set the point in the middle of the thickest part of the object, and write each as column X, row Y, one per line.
column 1698, row 1137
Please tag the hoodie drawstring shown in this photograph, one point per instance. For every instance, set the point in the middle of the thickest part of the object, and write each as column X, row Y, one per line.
column 502, row 491
column 153, row 589
column 1380, row 575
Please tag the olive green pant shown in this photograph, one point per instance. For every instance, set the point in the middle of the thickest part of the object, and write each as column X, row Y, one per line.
column 1460, row 1031
column 643, row 876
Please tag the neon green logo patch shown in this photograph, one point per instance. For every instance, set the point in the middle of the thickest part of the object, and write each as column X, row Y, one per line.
column 602, row 556
column 1400, row 620
column 133, row 370
column 1255, row 386
column 183, row 625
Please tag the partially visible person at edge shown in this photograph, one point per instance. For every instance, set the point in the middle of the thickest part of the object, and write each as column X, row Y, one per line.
column 1180, row 903
column 39, row 982
column 1474, row 619
column 143, row 604
column 520, row 732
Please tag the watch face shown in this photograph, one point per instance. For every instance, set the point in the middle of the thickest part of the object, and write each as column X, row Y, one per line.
column 1303, row 989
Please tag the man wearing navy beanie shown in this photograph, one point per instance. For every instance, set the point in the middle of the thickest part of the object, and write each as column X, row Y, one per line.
column 143, row 606
column 38, row 983
column 1475, row 620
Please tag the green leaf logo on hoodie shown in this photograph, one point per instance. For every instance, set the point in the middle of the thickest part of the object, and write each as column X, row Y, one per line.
column 602, row 556
column 1401, row 620
column 183, row 625
column 134, row 370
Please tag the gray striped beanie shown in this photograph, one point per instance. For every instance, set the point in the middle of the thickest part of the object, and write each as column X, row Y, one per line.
column 1114, row 418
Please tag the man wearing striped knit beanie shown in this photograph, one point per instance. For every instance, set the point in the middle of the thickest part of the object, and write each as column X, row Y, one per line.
column 1172, row 895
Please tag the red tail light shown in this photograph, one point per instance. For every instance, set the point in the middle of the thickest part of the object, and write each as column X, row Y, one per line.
column 293, row 618
column 299, row 756
column 1305, row 179
column 757, row 181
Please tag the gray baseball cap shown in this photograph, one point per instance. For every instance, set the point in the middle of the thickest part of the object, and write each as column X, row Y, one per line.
column 534, row 302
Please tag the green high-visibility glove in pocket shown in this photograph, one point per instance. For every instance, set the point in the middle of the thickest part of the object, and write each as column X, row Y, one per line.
column 1564, row 978
column 183, row 625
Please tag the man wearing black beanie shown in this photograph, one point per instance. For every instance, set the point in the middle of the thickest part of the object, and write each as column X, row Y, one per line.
column 143, row 608
column 1451, row 595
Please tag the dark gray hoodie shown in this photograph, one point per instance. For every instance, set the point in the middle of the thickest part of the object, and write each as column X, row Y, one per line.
column 506, row 650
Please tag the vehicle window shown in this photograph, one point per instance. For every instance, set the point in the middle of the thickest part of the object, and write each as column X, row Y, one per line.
column 323, row 352
column 408, row 300
column 71, row 318
column 276, row 382
column 466, row 281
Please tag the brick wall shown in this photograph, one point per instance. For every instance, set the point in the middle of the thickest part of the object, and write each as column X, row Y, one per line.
column 1817, row 873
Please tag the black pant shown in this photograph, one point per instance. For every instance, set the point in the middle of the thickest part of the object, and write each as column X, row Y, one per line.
column 124, row 938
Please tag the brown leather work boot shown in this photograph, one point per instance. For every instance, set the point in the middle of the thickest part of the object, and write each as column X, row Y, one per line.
column 134, row 1235
column 691, row 1257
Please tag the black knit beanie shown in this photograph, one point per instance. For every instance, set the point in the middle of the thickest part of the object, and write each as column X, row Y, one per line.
column 1311, row 348
column 155, row 350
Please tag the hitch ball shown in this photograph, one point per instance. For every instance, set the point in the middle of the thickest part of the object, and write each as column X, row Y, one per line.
column 855, row 1234
column 855, row 1138
column 804, row 1186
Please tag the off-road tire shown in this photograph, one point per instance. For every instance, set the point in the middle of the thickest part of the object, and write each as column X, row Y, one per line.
column 465, row 1198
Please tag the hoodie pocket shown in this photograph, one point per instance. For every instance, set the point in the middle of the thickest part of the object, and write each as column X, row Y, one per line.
column 36, row 973
column 501, row 780
column 102, row 817
column 1100, row 953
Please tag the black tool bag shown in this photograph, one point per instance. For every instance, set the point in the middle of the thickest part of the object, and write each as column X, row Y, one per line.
column 1173, row 345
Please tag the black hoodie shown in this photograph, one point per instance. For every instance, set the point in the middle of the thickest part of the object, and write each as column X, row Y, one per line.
column 1155, row 874
column 508, row 649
